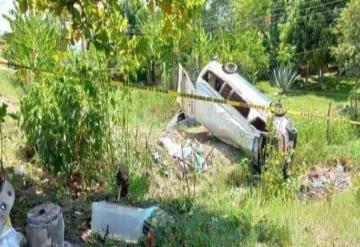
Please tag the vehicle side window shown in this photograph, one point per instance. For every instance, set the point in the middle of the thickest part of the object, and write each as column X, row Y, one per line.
column 242, row 110
column 225, row 90
column 259, row 124
column 214, row 81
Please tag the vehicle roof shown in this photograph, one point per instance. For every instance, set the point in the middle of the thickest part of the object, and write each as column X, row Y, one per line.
column 244, row 88
column 249, row 93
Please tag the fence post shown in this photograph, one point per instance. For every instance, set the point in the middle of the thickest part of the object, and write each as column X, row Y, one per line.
column 164, row 76
column 328, row 124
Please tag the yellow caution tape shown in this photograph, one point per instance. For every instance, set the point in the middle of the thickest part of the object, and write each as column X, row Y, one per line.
column 8, row 221
column 172, row 93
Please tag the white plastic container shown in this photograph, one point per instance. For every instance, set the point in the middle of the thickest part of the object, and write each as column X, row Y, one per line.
column 9, row 238
column 122, row 223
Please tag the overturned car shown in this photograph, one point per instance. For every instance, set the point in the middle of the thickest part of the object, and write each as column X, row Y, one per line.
column 241, row 127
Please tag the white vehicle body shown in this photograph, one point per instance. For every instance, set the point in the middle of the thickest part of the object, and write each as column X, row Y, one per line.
column 241, row 127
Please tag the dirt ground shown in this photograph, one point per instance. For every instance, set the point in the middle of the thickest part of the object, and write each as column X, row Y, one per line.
column 13, row 106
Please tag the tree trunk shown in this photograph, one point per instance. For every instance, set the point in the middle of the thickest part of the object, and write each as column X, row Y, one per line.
column 321, row 73
column 175, row 72
column 153, row 72
column 307, row 72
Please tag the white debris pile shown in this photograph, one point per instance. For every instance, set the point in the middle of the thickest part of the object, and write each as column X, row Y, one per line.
column 192, row 153
column 319, row 183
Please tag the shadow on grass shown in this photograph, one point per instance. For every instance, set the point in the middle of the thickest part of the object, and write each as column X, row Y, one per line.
column 48, row 188
column 192, row 225
column 200, row 227
column 334, row 88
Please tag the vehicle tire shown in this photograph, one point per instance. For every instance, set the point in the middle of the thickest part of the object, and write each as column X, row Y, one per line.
column 278, row 109
column 230, row 68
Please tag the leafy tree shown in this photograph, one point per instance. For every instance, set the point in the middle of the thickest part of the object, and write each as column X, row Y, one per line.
column 34, row 42
column 217, row 15
column 242, row 40
column 347, row 52
column 102, row 23
column 306, row 35
column 246, row 50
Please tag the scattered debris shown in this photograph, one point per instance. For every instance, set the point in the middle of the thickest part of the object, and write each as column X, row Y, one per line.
column 192, row 153
column 9, row 237
column 86, row 235
column 319, row 183
column 181, row 119
column 45, row 226
column 20, row 171
column 124, row 223
column 156, row 156
column 175, row 150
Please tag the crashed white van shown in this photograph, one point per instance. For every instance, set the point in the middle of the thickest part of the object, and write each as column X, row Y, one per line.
column 241, row 127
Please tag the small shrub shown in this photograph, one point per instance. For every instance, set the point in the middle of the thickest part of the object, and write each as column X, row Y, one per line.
column 357, row 188
column 207, row 229
column 284, row 77
column 354, row 99
column 273, row 185
column 64, row 121
column 272, row 234
column 139, row 186
column 240, row 175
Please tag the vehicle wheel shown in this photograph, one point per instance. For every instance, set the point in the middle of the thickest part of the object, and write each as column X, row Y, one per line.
column 230, row 68
column 278, row 109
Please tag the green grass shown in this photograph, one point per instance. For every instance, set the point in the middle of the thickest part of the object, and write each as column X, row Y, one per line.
column 327, row 223
column 227, row 208
column 8, row 87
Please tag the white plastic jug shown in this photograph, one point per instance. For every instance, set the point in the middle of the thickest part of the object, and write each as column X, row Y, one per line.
column 121, row 222
column 9, row 238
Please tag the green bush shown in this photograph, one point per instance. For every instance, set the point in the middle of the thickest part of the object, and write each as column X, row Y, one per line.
column 241, row 174
column 65, row 118
column 273, row 185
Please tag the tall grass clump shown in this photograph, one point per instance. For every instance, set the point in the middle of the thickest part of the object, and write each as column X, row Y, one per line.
column 273, row 185
column 316, row 135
